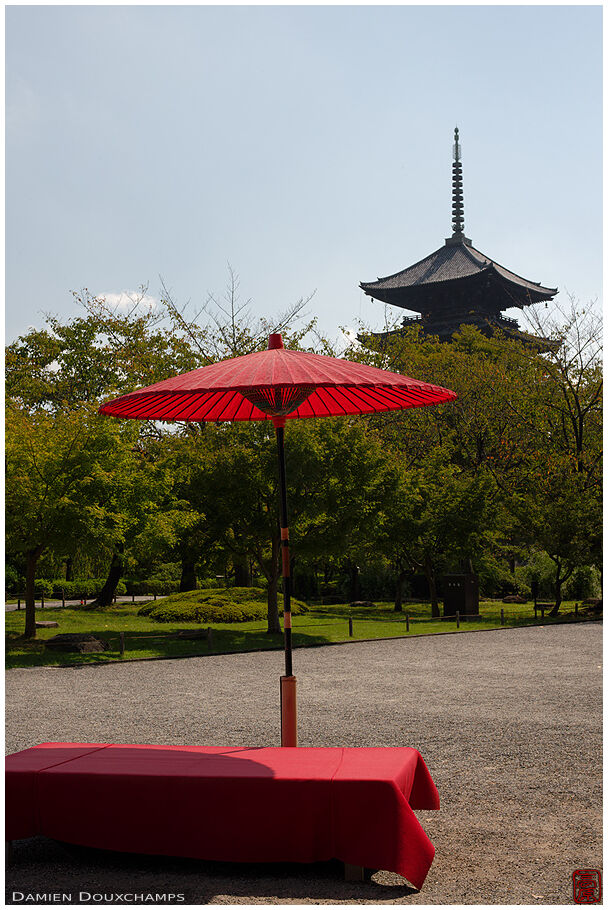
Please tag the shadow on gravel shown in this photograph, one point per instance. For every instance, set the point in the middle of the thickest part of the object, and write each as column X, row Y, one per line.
column 159, row 644
column 40, row 865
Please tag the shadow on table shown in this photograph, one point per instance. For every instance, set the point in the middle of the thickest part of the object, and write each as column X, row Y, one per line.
column 40, row 865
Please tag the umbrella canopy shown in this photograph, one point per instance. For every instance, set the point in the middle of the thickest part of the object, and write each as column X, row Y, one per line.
column 276, row 382
column 278, row 385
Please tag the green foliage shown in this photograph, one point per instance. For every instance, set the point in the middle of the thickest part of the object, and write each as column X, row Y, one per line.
column 152, row 585
column 65, row 477
column 540, row 568
column 584, row 582
column 512, row 467
column 43, row 585
column 13, row 581
column 214, row 605
column 207, row 583
column 377, row 582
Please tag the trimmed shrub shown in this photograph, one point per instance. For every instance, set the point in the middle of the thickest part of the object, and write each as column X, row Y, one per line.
column 214, row 605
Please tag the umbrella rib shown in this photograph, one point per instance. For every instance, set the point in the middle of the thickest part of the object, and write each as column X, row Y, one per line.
column 387, row 399
column 126, row 404
column 385, row 396
column 416, row 396
column 362, row 398
column 141, row 410
column 193, row 407
column 361, row 395
column 333, row 397
column 251, row 409
column 311, row 402
column 211, row 403
column 227, row 405
column 169, row 406
column 406, row 400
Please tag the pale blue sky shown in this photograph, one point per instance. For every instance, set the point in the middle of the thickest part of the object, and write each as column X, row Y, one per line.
column 308, row 146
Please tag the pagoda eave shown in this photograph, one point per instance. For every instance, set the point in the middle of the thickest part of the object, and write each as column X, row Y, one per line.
column 499, row 293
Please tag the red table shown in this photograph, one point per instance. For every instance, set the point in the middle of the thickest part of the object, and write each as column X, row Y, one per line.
column 228, row 804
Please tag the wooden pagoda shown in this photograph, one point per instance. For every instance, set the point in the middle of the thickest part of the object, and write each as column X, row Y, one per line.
column 457, row 284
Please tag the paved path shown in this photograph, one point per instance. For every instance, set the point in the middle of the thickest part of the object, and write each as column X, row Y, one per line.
column 509, row 723
column 70, row 604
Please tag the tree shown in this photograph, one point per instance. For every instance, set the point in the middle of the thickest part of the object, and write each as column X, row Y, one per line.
column 527, row 420
column 224, row 326
column 108, row 351
column 549, row 466
column 437, row 516
column 62, row 476
column 68, row 368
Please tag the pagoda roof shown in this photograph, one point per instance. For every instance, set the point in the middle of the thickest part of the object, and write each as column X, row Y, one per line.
column 454, row 261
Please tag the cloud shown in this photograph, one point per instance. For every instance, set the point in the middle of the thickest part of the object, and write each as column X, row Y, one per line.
column 126, row 300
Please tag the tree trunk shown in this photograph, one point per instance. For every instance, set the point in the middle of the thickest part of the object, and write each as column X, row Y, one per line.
column 399, row 591
column 69, row 569
column 32, row 558
column 429, row 571
column 188, row 579
column 354, row 588
column 106, row 595
column 242, row 575
column 558, row 588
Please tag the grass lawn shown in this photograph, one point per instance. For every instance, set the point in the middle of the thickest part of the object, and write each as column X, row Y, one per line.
column 145, row 638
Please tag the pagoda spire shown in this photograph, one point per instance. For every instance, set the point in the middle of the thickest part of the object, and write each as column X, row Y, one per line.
column 457, row 197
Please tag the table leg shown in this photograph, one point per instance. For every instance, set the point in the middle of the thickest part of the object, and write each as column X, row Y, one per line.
column 353, row 873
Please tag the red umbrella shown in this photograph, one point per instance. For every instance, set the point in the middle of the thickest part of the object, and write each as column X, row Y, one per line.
column 278, row 385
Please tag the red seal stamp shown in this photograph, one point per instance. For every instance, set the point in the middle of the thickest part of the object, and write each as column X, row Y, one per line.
column 587, row 886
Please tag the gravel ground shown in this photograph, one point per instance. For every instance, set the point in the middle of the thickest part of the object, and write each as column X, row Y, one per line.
column 508, row 722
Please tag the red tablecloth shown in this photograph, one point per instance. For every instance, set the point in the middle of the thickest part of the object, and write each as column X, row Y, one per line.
column 234, row 804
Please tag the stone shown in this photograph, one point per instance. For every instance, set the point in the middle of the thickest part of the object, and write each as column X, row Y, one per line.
column 46, row 624
column 77, row 643
column 367, row 604
column 514, row 599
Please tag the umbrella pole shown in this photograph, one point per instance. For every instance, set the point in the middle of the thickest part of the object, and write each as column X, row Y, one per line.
column 289, row 732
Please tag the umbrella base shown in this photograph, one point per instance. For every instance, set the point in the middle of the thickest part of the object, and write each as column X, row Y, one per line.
column 289, row 714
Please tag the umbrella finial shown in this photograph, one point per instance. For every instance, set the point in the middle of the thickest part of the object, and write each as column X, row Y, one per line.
column 275, row 341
